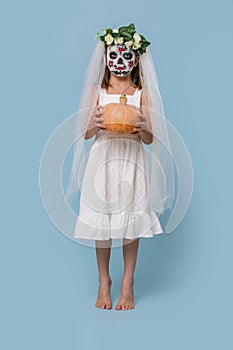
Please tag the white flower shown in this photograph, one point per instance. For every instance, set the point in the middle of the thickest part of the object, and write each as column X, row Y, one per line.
column 137, row 37
column 115, row 30
column 136, row 45
column 104, row 31
column 119, row 40
column 109, row 39
column 128, row 44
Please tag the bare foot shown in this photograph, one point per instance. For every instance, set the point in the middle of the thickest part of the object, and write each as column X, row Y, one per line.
column 126, row 301
column 104, row 298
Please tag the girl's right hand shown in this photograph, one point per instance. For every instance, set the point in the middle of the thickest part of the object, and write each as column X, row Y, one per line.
column 97, row 118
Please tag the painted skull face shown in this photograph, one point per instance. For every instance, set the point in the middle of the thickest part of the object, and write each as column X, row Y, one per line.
column 120, row 60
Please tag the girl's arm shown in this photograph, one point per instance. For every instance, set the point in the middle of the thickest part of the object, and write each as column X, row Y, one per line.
column 91, row 131
column 144, row 127
column 95, row 122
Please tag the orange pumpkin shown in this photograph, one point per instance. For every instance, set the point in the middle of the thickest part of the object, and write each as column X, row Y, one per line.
column 120, row 117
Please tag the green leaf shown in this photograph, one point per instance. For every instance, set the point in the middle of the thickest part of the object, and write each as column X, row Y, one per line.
column 122, row 29
column 127, row 36
column 131, row 28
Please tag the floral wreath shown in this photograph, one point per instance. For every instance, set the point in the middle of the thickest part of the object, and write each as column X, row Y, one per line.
column 126, row 36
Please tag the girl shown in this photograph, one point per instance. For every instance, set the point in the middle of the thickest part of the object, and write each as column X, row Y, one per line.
column 120, row 184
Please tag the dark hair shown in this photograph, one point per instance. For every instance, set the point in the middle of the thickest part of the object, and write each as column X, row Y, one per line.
column 135, row 75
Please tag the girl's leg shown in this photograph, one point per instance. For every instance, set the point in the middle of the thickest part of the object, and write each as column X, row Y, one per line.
column 130, row 251
column 103, row 252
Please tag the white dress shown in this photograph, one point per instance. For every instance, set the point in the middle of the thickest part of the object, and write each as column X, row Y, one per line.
column 115, row 196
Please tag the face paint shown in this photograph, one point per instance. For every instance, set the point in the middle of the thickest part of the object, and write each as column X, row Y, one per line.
column 120, row 60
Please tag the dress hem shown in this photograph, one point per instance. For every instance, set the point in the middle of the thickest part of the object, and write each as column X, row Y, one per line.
column 105, row 239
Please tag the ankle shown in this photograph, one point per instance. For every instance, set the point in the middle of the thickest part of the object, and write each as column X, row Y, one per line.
column 104, row 278
column 128, row 279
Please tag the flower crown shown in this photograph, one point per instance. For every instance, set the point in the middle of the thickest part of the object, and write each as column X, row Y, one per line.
column 126, row 36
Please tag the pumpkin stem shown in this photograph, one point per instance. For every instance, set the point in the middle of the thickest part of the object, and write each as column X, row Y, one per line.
column 123, row 99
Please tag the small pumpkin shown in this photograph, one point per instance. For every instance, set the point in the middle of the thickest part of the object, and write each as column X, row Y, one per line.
column 120, row 117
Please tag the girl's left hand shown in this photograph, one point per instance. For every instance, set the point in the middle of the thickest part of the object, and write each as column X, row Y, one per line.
column 142, row 124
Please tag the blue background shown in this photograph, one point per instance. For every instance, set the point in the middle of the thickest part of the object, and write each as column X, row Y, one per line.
column 183, row 281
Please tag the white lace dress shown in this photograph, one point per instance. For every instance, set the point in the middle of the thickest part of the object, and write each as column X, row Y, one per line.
column 115, row 196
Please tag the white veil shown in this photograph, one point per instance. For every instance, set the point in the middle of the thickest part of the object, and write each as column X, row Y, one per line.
column 161, row 175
